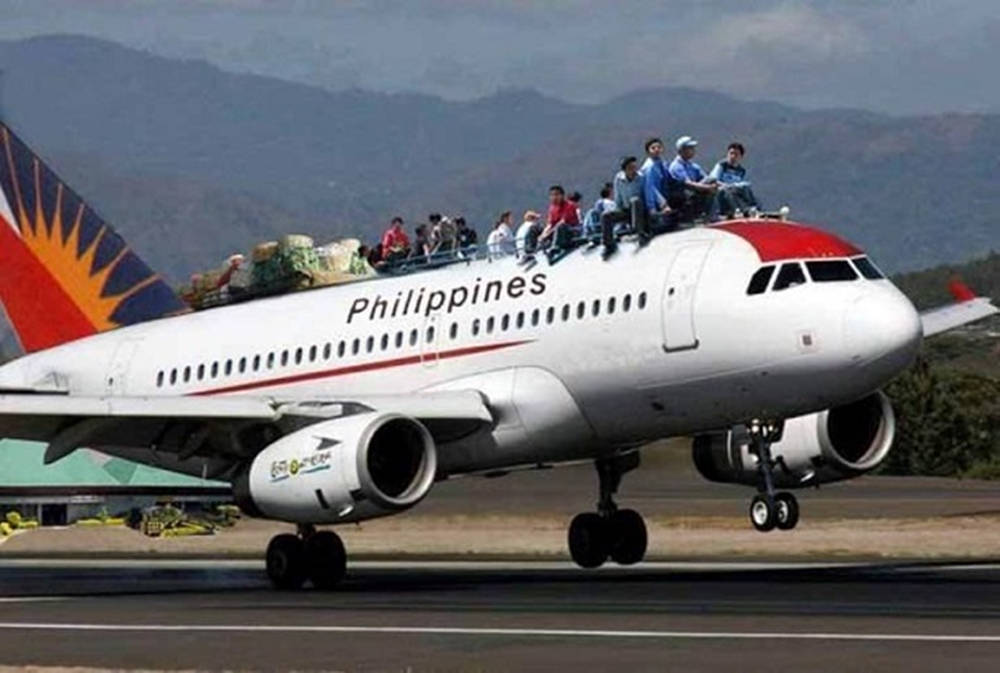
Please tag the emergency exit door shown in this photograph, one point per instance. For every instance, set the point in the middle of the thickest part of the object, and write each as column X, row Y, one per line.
column 117, row 383
column 679, row 329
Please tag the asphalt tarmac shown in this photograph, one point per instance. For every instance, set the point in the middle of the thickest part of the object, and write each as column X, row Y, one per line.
column 503, row 617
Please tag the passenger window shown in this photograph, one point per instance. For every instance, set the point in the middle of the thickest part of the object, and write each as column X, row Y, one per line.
column 550, row 315
column 341, row 349
column 399, row 339
column 475, row 327
column 565, row 312
column 370, row 344
column 298, row 356
column 243, row 365
column 581, row 308
column 201, row 372
column 430, row 334
column 535, row 315
column 760, row 279
column 312, row 354
column 327, row 350
column 611, row 305
column 385, row 341
column 453, row 330
column 596, row 310
column 270, row 360
column 505, row 322
column 159, row 379
column 413, row 337
column 355, row 346
column 520, row 319
column 831, row 270
column 284, row 358
column 215, row 370
column 187, row 374
column 490, row 323
column 790, row 275
column 173, row 376
column 867, row 269
column 229, row 367
column 256, row 362
column 627, row 303
column 642, row 300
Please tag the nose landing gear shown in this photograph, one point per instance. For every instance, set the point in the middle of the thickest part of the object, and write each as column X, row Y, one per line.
column 770, row 509
column 618, row 534
column 318, row 556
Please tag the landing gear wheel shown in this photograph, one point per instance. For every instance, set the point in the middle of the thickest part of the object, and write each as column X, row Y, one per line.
column 787, row 511
column 763, row 513
column 286, row 562
column 588, row 540
column 628, row 531
column 326, row 559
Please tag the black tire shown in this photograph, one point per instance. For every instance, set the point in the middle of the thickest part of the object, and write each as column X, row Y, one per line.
column 630, row 540
column 326, row 559
column 787, row 511
column 763, row 513
column 286, row 562
column 588, row 540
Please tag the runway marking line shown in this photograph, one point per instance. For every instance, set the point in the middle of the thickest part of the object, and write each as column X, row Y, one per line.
column 465, row 631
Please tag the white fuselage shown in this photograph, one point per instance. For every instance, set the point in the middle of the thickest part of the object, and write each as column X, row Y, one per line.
column 577, row 358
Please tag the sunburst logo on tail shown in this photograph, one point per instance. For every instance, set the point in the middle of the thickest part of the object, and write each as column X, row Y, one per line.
column 92, row 280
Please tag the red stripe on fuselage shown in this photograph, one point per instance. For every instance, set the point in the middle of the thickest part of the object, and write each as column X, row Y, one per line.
column 40, row 311
column 776, row 241
column 363, row 367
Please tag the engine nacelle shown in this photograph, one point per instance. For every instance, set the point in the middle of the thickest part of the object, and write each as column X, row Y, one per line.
column 347, row 469
column 832, row 445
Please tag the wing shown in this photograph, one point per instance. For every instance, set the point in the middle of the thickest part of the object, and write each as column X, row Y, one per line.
column 219, row 433
column 967, row 309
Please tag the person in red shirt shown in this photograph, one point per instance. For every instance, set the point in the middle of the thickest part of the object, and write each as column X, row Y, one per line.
column 563, row 224
column 395, row 242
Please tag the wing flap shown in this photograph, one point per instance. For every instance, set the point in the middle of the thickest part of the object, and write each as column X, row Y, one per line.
column 938, row 320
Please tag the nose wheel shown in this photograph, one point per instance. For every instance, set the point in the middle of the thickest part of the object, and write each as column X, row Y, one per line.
column 609, row 533
column 770, row 509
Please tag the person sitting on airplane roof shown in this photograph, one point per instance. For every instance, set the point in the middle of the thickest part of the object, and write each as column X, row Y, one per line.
column 421, row 245
column 592, row 219
column 628, row 206
column 443, row 236
column 500, row 242
column 655, row 186
column 562, row 227
column 735, row 192
column 526, row 239
column 687, row 191
column 575, row 198
column 395, row 242
column 466, row 236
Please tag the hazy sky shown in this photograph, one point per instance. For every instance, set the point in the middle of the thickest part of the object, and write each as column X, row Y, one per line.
column 900, row 56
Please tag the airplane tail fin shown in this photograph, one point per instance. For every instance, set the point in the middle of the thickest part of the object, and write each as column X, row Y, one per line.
column 64, row 272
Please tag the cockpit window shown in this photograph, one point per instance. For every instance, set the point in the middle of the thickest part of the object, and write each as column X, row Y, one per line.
column 831, row 270
column 867, row 269
column 760, row 279
column 791, row 274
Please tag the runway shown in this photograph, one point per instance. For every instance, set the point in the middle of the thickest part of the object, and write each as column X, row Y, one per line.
column 503, row 617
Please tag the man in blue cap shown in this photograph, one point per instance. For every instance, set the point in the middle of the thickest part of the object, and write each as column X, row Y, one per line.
column 688, row 192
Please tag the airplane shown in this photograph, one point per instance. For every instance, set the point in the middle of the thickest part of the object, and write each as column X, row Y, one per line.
column 767, row 341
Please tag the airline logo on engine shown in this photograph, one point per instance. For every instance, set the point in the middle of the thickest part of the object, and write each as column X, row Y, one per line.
column 288, row 468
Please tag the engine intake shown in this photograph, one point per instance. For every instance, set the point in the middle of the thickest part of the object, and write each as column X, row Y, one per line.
column 827, row 446
column 346, row 469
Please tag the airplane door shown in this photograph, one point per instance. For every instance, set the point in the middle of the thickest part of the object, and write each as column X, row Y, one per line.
column 429, row 340
column 678, row 297
column 120, row 363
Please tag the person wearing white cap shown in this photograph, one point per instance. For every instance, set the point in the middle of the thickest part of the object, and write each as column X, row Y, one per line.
column 689, row 192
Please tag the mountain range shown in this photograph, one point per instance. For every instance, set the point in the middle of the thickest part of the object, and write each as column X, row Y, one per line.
column 191, row 162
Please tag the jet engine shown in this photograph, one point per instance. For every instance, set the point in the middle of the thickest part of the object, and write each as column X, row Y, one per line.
column 347, row 469
column 819, row 448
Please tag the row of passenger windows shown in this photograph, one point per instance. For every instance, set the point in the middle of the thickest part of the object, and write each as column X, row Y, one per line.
column 820, row 271
column 488, row 325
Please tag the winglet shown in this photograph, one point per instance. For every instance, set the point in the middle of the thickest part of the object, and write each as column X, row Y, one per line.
column 959, row 290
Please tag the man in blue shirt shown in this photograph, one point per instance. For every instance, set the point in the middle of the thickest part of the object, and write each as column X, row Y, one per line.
column 629, row 205
column 735, row 192
column 687, row 190
column 655, row 187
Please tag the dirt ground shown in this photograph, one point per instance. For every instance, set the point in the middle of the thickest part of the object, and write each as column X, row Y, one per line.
column 526, row 515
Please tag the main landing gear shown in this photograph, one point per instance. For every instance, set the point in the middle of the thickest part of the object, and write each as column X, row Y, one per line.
column 768, row 509
column 318, row 556
column 618, row 534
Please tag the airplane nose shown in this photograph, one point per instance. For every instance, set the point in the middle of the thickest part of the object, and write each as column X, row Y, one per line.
column 882, row 328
